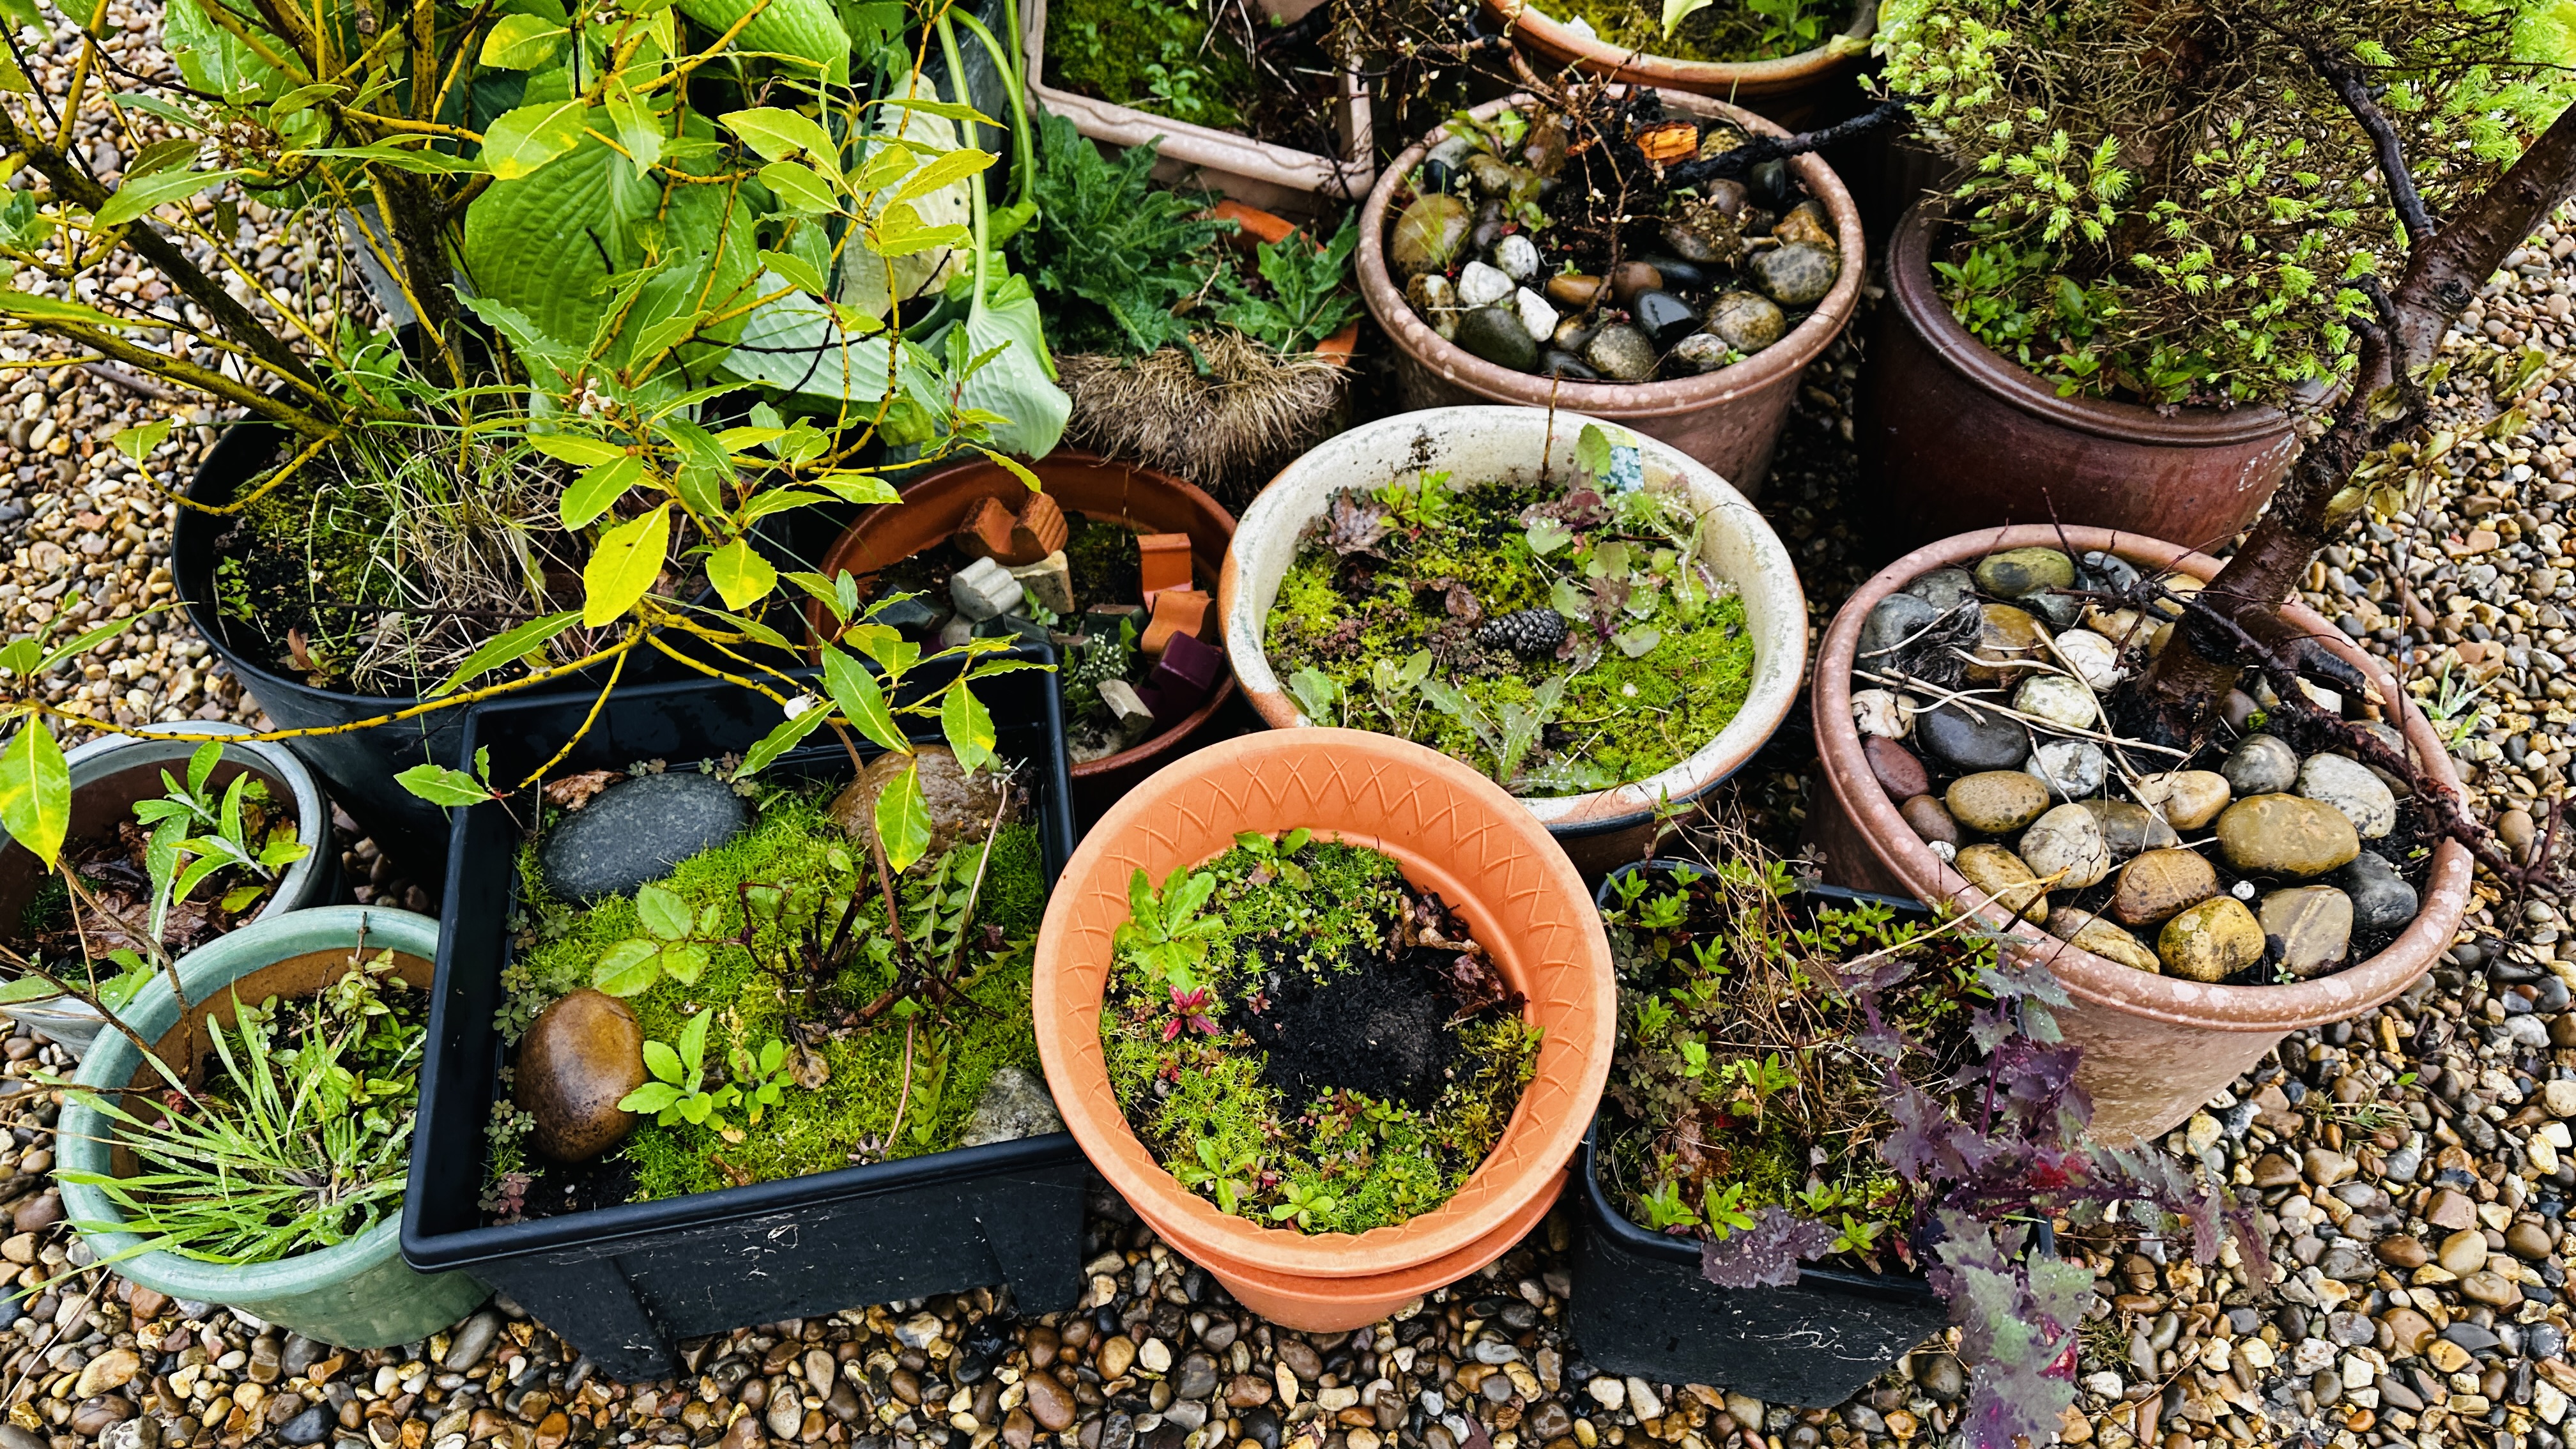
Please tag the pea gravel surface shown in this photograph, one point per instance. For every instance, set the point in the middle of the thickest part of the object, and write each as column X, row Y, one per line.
column 2414, row 1165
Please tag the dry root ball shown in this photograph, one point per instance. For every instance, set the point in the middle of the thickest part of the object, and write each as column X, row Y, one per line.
column 1227, row 429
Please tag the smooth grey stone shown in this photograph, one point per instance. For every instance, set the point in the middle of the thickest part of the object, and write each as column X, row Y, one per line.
column 638, row 831
column 310, row 1427
column 1944, row 589
column 2381, row 900
column 467, row 1347
column 2071, row 769
column 1894, row 620
column 1497, row 336
column 1015, row 1104
column 2260, row 765
column 1622, row 352
column 2106, row 571
column 1992, row 742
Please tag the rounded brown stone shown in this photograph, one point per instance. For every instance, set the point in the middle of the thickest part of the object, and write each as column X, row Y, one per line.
column 2005, row 635
column 2211, row 941
column 1900, row 774
column 2161, row 883
column 581, row 1056
column 2004, row 879
column 1930, row 819
column 961, row 805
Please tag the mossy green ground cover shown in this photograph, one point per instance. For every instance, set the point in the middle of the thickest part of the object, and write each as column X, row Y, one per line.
column 1723, row 31
column 1196, row 1088
column 1153, row 55
column 1623, row 716
column 796, row 846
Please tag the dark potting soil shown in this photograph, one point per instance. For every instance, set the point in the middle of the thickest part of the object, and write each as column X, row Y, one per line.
column 53, row 929
column 1374, row 1027
column 555, row 1188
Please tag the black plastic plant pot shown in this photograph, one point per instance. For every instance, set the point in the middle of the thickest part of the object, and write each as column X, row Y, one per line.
column 359, row 765
column 1640, row 1306
column 624, row 1284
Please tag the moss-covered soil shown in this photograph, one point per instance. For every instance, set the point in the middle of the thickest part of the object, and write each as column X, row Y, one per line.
column 1722, row 31
column 796, row 857
column 1409, row 633
column 1286, row 1045
column 1740, row 1083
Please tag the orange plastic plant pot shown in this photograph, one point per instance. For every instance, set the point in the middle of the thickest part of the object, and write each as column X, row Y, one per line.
column 1454, row 832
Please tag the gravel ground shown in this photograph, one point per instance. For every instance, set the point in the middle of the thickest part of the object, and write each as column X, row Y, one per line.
column 2414, row 1165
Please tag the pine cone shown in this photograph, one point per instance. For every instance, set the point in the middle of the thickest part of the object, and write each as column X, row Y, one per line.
column 1526, row 632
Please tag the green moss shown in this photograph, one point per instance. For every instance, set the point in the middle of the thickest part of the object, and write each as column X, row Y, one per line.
column 1620, row 718
column 795, row 845
column 1199, row 1098
column 1150, row 54
column 1726, row 30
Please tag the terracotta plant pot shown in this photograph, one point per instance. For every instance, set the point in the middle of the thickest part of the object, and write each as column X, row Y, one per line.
column 1728, row 419
column 1454, row 832
column 357, row 1293
column 1604, row 828
column 1954, row 436
column 1795, row 90
column 1299, row 184
column 109, row 776
column 2155, row 1047
column 934, row 506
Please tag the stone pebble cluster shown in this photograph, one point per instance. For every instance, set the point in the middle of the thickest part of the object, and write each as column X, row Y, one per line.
column 2035, row 803
column 1734, row 262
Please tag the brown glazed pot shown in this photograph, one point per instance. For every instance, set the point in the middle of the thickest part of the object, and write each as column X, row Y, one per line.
column 2155, row 1047
column 1953, row 436
column 1727, row 419
column 933, row 507
column 1796, row 90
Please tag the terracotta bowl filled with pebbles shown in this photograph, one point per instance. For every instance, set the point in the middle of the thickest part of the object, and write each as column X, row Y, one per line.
column 2196, row 906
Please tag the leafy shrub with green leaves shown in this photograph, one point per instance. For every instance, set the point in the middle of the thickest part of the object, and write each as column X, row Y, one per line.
column 2175, row 203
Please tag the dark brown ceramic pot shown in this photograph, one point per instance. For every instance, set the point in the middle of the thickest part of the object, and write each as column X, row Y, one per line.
column 933, row 506
column 2155, row 1047
column 1728, row 419
column 1953, row 436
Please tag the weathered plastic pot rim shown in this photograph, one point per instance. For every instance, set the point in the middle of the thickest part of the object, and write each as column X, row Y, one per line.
column 1219, row 153
column 1770, row 588
column 1527, row 1162
column 1617, row 401
column 1916, row 297
column 1727, row 79
column 1152, row 748
column 298, row 886
column 112, row 1063
column 2087, row 977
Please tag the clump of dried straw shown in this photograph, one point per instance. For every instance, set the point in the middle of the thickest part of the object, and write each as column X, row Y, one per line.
column 1226, row 429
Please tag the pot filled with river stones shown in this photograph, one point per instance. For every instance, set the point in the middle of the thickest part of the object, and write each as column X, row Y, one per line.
column 1527, row 255
column 2196, row 905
